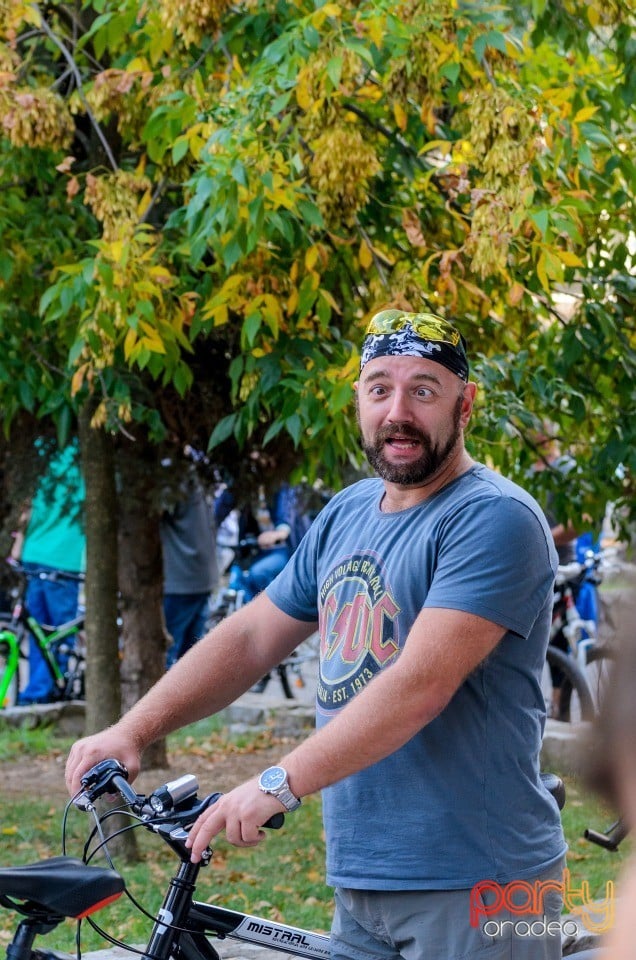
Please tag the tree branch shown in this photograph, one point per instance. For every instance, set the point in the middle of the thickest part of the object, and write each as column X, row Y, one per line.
column 78, row 79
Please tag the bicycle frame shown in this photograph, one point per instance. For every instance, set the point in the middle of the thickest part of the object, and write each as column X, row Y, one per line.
column 204, row 919
column 45, row 637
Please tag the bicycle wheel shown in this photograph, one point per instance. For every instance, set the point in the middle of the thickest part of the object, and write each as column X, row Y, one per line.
column 9, row 666
column 601, row 663
column 572, row 701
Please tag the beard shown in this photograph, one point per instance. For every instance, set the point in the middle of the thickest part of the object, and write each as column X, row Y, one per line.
column 427, row 465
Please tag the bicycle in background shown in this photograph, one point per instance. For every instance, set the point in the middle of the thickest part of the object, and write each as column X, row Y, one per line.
column 64, row 644
column 579, row 666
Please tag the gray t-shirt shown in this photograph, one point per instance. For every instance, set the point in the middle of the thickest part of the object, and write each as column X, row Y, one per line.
column 461, row 801
column 188, row 540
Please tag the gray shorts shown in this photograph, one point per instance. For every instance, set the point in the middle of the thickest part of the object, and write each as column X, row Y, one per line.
column 436, row 924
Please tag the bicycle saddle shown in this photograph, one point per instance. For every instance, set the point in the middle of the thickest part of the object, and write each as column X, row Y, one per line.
column 63, row 885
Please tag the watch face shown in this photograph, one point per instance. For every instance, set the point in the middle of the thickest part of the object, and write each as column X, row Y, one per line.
column 273, row 778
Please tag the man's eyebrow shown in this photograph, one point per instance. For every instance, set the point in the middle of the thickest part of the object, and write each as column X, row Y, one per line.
column 374, row 375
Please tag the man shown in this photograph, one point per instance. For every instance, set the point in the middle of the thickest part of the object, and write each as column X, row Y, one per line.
column 190, row 572
column 433, row 589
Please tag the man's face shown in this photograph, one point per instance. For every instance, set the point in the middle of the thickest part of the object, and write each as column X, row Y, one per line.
column 411, row 414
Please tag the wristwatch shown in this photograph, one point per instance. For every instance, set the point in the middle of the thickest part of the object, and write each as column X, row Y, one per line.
column 274, row 781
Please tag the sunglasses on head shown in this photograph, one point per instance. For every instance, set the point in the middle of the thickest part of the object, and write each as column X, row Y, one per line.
column 425, row 325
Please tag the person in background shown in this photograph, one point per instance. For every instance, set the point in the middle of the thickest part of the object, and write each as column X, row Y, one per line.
column 432, row 585
column 54, row 540
column 190, row 568
column 281, row 530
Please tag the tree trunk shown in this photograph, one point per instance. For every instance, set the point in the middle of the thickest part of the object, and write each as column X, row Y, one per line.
column 141, row 581
column 103, row 682
column 103, row 688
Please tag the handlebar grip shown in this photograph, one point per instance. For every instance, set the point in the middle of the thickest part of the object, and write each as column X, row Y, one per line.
column 275, row 822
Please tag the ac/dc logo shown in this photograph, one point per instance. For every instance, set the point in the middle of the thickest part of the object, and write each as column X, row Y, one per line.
column 358, row 634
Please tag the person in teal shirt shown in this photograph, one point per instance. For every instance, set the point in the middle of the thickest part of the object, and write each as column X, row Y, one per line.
column 54, row 540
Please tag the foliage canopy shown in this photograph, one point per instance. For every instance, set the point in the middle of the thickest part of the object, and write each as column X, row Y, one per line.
column 226, row 192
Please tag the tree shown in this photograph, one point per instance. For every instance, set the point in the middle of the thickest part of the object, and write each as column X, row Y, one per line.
column 236, row 188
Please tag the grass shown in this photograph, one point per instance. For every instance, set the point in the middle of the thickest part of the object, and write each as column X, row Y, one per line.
column 281, row 879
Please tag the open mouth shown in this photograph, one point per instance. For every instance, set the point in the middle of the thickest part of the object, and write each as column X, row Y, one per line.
column 402, row 443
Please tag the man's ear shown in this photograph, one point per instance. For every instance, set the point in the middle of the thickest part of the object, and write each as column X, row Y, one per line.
column 356, row 385
column 470, row 391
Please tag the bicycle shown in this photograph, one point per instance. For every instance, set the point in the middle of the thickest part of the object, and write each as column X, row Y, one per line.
column 49, row 891
column 233, row 596
column 66, row 640
column 574, row 653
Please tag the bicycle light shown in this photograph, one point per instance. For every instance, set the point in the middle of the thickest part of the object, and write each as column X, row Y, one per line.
column 171, row 794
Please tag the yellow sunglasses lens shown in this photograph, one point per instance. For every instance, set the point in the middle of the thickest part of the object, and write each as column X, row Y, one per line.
column 426, row 325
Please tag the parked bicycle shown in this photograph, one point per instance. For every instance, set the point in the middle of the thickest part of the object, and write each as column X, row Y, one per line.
column 47, row 892
column 579, row 665
column 63, row 647
column 234, row 595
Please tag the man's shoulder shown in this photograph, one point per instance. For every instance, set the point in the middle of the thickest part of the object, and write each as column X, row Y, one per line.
column 482, row 486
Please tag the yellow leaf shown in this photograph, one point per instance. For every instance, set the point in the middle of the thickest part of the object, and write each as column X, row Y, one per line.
column 584, row 114
column 365, row 255
column 129, row 342
column 400, row 116
column 311, row 257
column 220, row 315
column 377, row 30
column 569, row 259
column 9, row 831
column 330, row 300
column 593, row 15
column 292, row 302
column 369, row 91
column 541, row 273
column 442, row 145
column 78, row 378
column 303, row 94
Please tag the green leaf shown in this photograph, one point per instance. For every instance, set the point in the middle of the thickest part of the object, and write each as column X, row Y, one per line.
column 334, row 71
column 542, row 219
column 294, row 428
column 451, row 71
column 223, row 430
column 251, row 325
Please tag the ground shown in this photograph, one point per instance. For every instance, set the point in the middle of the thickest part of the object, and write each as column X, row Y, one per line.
column 217, row 766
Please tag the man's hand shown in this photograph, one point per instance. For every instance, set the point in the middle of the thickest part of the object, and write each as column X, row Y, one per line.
column 241, row 813
column 110, row 744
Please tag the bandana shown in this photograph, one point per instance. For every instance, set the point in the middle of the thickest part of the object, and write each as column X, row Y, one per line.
column 393, row 333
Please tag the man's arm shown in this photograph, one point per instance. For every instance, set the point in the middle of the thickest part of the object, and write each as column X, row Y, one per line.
column 442, row 649
column 217, row 670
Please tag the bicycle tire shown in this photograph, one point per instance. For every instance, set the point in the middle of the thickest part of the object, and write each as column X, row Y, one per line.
column 600, row 665
column 11, row 696
column 575, row 701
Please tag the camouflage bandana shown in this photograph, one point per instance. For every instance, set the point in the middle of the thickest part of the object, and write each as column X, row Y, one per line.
column 393, row 333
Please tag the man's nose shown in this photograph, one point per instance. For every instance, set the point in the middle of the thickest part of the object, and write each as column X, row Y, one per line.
column 400, row 409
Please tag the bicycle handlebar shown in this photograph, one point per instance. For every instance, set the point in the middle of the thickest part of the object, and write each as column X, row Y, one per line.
column 175, row 801
column 50, row 575
column 577, row 571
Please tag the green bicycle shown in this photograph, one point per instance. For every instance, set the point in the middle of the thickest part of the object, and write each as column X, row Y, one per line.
column 59, row 645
